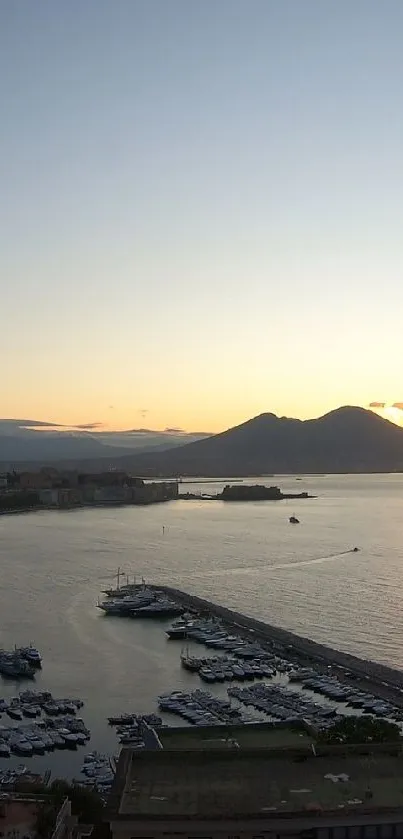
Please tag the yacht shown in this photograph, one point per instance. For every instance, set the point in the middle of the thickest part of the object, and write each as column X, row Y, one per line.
column 15, row 667
column 159, row 608
column 124, row 605
column 31, row 654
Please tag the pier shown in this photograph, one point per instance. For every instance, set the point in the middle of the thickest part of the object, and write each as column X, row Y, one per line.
column 381, row 680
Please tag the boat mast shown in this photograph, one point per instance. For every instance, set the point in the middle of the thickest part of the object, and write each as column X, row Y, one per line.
column 118, row 576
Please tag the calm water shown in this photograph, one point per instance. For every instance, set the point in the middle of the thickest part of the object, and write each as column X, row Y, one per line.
column 246, row 556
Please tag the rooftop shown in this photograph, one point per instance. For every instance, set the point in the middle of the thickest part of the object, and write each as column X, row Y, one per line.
column 246, row 782
column 19, row 815
column 253, row 736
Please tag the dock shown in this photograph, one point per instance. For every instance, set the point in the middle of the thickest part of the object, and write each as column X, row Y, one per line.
column 381, row 680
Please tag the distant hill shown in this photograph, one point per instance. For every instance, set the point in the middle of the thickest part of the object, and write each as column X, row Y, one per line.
column 32, row 443
column 348, row 439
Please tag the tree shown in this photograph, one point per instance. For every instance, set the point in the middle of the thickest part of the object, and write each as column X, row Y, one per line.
column 86, row 804
column 361, row 730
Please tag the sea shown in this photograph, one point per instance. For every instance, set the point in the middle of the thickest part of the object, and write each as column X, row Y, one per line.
column 247, row 556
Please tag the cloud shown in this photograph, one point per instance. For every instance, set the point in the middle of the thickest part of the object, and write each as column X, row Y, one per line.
column 174, row 431
column 377, row 404
column 35, row 424
column 87, row 426
column 398, row 405
column 139, row 431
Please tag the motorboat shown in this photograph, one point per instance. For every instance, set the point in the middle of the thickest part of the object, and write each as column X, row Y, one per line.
column 29, row 710
column 38, row 745
column 22, row 747
column 294, row 520
column 15, row 713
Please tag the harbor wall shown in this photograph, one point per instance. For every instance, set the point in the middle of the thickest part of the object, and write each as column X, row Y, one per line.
column 377, row 673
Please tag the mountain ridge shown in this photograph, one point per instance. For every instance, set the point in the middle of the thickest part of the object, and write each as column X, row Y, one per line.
column 346, row 439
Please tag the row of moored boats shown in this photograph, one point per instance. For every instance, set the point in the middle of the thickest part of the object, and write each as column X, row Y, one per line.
column 333, row 689
column 58, row 728
column 200, row 708
column 138, row 601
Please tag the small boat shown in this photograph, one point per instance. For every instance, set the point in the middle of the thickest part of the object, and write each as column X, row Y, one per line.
column 5, row 750
column 70, row 739
column 14, row 713
column 22, row 747
column 123, row 719
column 293, row 520
column 38, row 745
column 51, row 709
column 28, row 710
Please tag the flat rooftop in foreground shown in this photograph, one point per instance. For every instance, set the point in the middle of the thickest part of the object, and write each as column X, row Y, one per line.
column 242, row 782
column 245, row 736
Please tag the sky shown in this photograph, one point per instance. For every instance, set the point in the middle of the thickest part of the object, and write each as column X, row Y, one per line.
column 201, row 213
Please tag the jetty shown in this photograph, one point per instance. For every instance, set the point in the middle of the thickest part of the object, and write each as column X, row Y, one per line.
column 380, row 679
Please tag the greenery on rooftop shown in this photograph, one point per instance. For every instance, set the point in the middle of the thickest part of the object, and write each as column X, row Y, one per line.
column 361, row 730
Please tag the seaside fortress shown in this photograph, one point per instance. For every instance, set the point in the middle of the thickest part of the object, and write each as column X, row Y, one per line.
column 233, row 793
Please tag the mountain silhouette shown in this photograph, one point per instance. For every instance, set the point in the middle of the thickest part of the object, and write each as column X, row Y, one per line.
column 348, row 439
column 27, row 442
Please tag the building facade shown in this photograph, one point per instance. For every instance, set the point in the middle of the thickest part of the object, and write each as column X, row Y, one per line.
column 256, row 794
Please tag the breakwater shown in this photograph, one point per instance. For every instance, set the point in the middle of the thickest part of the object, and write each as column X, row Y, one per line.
column 382, row 680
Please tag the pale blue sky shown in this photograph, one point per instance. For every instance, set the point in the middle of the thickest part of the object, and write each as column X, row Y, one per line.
column 200, row 208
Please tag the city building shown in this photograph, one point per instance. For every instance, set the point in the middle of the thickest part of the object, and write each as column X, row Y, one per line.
column 231, row 793
column 21, row 813
column 35, row 480
column 55, row 488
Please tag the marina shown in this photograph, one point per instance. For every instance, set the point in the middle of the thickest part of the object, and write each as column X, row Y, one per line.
column 248, row 559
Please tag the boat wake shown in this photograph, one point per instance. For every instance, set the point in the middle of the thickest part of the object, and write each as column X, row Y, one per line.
column 317, row 561
column 286, row 566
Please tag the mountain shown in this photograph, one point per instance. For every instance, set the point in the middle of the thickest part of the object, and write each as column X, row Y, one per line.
column 31, row 442
column 349, row 439
column 44, row 448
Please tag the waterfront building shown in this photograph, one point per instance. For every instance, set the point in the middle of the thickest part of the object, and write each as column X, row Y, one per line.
column 233, row 793
column 56, row 488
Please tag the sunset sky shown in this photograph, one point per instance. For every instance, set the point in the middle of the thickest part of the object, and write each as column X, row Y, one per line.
column 201, row 209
